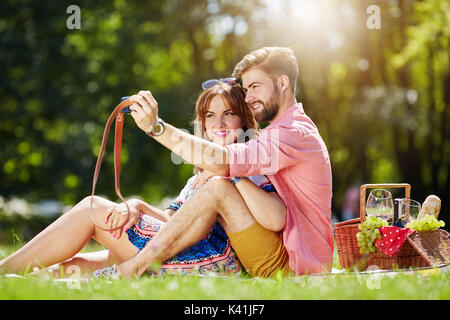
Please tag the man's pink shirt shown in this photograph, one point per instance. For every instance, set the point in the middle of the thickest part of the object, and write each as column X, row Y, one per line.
column 291, row 152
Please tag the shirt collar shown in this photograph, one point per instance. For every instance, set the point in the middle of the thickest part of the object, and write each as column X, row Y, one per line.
column 288, row 114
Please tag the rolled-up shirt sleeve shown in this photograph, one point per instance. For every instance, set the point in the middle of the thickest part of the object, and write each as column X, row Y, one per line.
column 272, row 151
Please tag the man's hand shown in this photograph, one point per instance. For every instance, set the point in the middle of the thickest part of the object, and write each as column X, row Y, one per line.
column 127, row 269
column 145, row 110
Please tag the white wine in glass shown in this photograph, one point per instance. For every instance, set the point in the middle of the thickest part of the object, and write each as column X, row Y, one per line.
column 380, row 204
column 408, row 210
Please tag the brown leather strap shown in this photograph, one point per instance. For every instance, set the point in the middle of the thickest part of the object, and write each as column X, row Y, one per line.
column 116, row 115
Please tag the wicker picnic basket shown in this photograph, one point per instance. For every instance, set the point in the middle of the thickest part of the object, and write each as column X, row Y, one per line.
column 422, row 249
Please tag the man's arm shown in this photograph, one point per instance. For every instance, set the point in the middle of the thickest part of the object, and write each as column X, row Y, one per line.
column 200, row 152
column 204, row 154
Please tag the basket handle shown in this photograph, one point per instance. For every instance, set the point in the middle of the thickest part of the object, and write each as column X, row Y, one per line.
column 364, row 187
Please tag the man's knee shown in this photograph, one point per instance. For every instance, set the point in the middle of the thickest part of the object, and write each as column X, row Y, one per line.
column 233, row 212
column 218, row 186
column 221, row 190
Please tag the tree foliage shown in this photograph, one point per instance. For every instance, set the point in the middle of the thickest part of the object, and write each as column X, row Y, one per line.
column 380, row 97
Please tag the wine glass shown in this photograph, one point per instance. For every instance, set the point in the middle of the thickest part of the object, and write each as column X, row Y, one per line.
column 408, row 210
column 380, row 204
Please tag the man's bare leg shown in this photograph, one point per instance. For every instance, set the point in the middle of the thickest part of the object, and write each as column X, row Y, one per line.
column 217, row 200
column 66, row 237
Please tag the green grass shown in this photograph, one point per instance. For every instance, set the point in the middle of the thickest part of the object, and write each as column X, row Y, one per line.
column 424, row 285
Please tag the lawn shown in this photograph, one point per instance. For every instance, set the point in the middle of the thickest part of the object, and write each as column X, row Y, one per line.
column 423, row 285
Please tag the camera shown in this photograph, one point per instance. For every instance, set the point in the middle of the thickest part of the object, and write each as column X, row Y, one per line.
column 126, row 109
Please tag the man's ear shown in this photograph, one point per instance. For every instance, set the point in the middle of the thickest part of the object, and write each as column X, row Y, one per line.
column 283, row 82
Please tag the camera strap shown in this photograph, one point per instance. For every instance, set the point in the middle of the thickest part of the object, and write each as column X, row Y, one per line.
column 118, row 116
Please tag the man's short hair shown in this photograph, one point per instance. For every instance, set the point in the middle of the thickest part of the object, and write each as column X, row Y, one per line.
column 275, row 61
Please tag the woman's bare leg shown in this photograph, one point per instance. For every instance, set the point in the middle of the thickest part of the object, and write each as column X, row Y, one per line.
column 81, row 263
column 65, row 237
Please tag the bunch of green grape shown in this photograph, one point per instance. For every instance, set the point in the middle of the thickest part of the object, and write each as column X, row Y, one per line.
column 369, row 233
column 427, row 223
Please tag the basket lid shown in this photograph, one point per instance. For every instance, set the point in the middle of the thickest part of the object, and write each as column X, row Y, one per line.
column 433, row 246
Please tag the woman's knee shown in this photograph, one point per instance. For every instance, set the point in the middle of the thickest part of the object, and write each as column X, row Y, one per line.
column 96, row 205
column 95, row 202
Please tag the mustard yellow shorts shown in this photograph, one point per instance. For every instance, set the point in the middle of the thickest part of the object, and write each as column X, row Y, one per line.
column 260, row 251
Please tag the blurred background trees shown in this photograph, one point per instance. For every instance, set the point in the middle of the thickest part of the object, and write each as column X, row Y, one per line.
column 380, row 97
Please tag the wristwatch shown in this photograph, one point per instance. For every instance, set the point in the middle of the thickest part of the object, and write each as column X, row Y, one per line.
column 156, row 129
column 235, row 180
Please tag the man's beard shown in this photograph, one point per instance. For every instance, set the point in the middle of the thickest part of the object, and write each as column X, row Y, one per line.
column 270, row 109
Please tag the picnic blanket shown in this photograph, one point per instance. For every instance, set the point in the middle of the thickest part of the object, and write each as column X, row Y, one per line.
column 427, row 271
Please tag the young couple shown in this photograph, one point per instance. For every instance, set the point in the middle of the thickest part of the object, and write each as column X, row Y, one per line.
column 276, row 220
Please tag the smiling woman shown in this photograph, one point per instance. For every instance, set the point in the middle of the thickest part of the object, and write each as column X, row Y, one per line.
column 221, row 123
column 221, row 107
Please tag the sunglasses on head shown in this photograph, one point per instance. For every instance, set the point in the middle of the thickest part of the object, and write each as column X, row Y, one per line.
column 212, row 82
